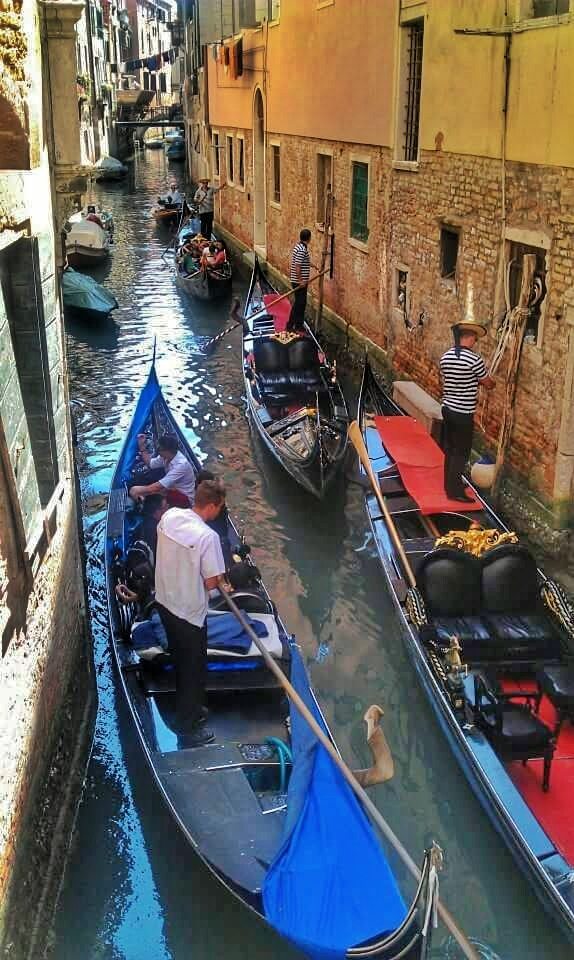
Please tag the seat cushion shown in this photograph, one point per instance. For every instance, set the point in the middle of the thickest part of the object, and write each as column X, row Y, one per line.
column 465, row 628
column 527, row 636
column 271, row 381
column 520, row 728
column 509, row 580
column 558, row 685
column 449, row 581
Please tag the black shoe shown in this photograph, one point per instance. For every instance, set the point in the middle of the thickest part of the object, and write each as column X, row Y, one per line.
column 462, row 498
column 198, row 737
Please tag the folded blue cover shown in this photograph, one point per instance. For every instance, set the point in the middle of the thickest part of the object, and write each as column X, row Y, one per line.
column 224, row 632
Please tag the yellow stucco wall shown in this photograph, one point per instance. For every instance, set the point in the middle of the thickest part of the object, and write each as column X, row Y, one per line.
column 331, row 74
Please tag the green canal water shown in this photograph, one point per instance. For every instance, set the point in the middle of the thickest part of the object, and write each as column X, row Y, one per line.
column 133, row 889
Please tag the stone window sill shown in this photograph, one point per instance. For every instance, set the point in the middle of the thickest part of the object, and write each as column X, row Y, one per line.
column 359, row 244
column 411, row 166
column 275, row 205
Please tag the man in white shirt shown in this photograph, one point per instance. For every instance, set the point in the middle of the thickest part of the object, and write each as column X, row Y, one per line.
column 179, row 480
column 189, row 564
column 174, row 197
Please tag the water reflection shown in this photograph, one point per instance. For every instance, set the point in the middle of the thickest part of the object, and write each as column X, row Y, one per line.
column 134, row 891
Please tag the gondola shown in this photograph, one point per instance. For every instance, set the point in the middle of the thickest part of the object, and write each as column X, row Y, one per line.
column 491, row 638
column 203, row 282
column 259, row 803
column 295, row 401
column 84, row 299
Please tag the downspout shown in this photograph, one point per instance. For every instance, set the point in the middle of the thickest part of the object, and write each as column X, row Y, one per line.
column 506, row 69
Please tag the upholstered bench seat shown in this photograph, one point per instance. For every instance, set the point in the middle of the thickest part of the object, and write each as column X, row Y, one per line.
column 524, row 636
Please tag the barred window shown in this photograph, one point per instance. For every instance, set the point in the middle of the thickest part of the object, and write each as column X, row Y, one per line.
column 276, row 173
column 411, row 92
column 360, row 201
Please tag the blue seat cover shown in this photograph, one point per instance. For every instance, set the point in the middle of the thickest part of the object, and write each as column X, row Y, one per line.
column 330, row 886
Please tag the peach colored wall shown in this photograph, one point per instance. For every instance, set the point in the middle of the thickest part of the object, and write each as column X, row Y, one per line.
column 310, row 91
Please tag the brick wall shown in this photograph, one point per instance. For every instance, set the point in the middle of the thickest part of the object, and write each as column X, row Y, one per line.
column 406, row 212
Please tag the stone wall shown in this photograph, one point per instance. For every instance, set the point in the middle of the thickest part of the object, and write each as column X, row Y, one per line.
column 407, row 209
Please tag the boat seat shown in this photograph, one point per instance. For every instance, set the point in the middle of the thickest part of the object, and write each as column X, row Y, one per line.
column 283, row 369
column 511, row 604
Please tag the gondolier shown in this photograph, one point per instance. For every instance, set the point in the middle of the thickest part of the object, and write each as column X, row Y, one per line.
column 189, row 564
column 462, row 372
column 204, row 197
column 299, row 273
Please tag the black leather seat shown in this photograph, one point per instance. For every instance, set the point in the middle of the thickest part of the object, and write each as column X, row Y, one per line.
column 512, row 728
column 449, row 581
column 557, row 682
column 511, row 605
column 287, row 369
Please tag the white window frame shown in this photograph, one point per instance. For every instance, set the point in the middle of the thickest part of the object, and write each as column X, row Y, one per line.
column 216, row 154
column 272, row 202
column 353, row 242
column 230, row 152
column 239, row 138
column 323, row 152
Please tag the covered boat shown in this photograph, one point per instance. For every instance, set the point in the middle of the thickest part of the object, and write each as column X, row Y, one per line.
column 96, row 214
column 108, row 168
column 87, row 243
column 491, row 637
column 263, row 805
column 294, row 398
column 176, row 149
column 84, row 298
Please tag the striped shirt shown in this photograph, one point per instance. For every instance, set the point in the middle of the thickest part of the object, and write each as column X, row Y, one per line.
column 460, row 378
column 300, row 259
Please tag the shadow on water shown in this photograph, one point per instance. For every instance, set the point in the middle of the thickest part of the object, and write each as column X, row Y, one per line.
column 133, row 889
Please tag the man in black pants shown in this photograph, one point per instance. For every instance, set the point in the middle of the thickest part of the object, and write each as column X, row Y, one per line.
column 299, row 273
column 462, row 372
column 189, row 564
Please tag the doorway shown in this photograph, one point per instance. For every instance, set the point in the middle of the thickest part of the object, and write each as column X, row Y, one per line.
column 259, row 212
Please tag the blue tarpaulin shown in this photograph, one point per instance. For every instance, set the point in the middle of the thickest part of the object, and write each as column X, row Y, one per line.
column 224, row 632
column 330, row 886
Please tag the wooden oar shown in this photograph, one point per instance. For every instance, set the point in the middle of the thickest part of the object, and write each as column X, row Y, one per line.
column 239, row 323
column 357, row 789
column 356, row 439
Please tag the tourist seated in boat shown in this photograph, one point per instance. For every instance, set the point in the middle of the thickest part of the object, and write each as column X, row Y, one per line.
column 173, row 198
column 93, row 217
column 147, row 634
column 191, row 252
column 214, row 255
column 178, row 481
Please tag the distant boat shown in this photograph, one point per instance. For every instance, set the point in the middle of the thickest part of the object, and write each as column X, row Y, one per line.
column 176, row 150
column 87, row 243
column 93, row 212
column 84, row 298
column 108, row 168
column 154, row 143
column 168, row 213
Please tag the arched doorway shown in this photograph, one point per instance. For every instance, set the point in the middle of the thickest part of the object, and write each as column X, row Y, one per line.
column 259, row 212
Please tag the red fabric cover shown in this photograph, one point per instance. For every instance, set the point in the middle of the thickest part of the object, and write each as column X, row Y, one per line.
column 553, row 809
column 280, row 312
column 176, row 498
column 420, row 462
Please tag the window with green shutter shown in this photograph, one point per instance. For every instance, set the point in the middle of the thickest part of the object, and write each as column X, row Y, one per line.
column 360, row 202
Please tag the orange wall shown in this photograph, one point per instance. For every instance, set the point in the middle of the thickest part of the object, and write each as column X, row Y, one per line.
column 330, row 73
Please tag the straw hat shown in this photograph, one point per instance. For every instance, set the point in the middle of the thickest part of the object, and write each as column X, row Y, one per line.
column 204, row 179
column 469, row 326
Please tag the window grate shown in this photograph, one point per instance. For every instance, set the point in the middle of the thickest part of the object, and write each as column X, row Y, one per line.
column 413, row 90
column 360, row 202
column 276, row 174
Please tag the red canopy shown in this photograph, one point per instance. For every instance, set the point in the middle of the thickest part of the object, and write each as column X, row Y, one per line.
column 420, row 462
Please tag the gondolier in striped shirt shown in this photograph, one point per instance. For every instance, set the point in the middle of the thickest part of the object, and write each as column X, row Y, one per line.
column 462, row 372
column 299, row 273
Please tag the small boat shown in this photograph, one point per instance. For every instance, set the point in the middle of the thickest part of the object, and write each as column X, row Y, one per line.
column 202, row 281
column 87, row 243
column 169, row 214
column 262, row 803
column 154, row 143
column 293, row 396
column 176, row 150
column 491, row 638
column 94, row 213
column 84, row 298
column 108, row 168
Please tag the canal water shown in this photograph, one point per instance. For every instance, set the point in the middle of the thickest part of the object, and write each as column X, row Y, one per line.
column 133, row 889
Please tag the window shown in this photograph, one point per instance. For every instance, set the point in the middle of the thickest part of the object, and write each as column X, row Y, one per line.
column 360, row 201
column 410, row 90
column 266, row 10
column 276, row 158
column 448, row 252
column 229, row 158
column 516, row 253
column 153, row 82
column 324, row 183
column 400, row 291
column 533, row 9
column 163, row 82
column 215, row 145
column 240, row 161
column 146, row 81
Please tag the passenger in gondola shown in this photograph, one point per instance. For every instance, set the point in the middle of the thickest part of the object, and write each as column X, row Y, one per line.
column 173, row 197
column 154, row 508
column 189, row 564
column 462, row 371
column 92, row 216
column 147, row 634
column 213, row 256
column 178, row 481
